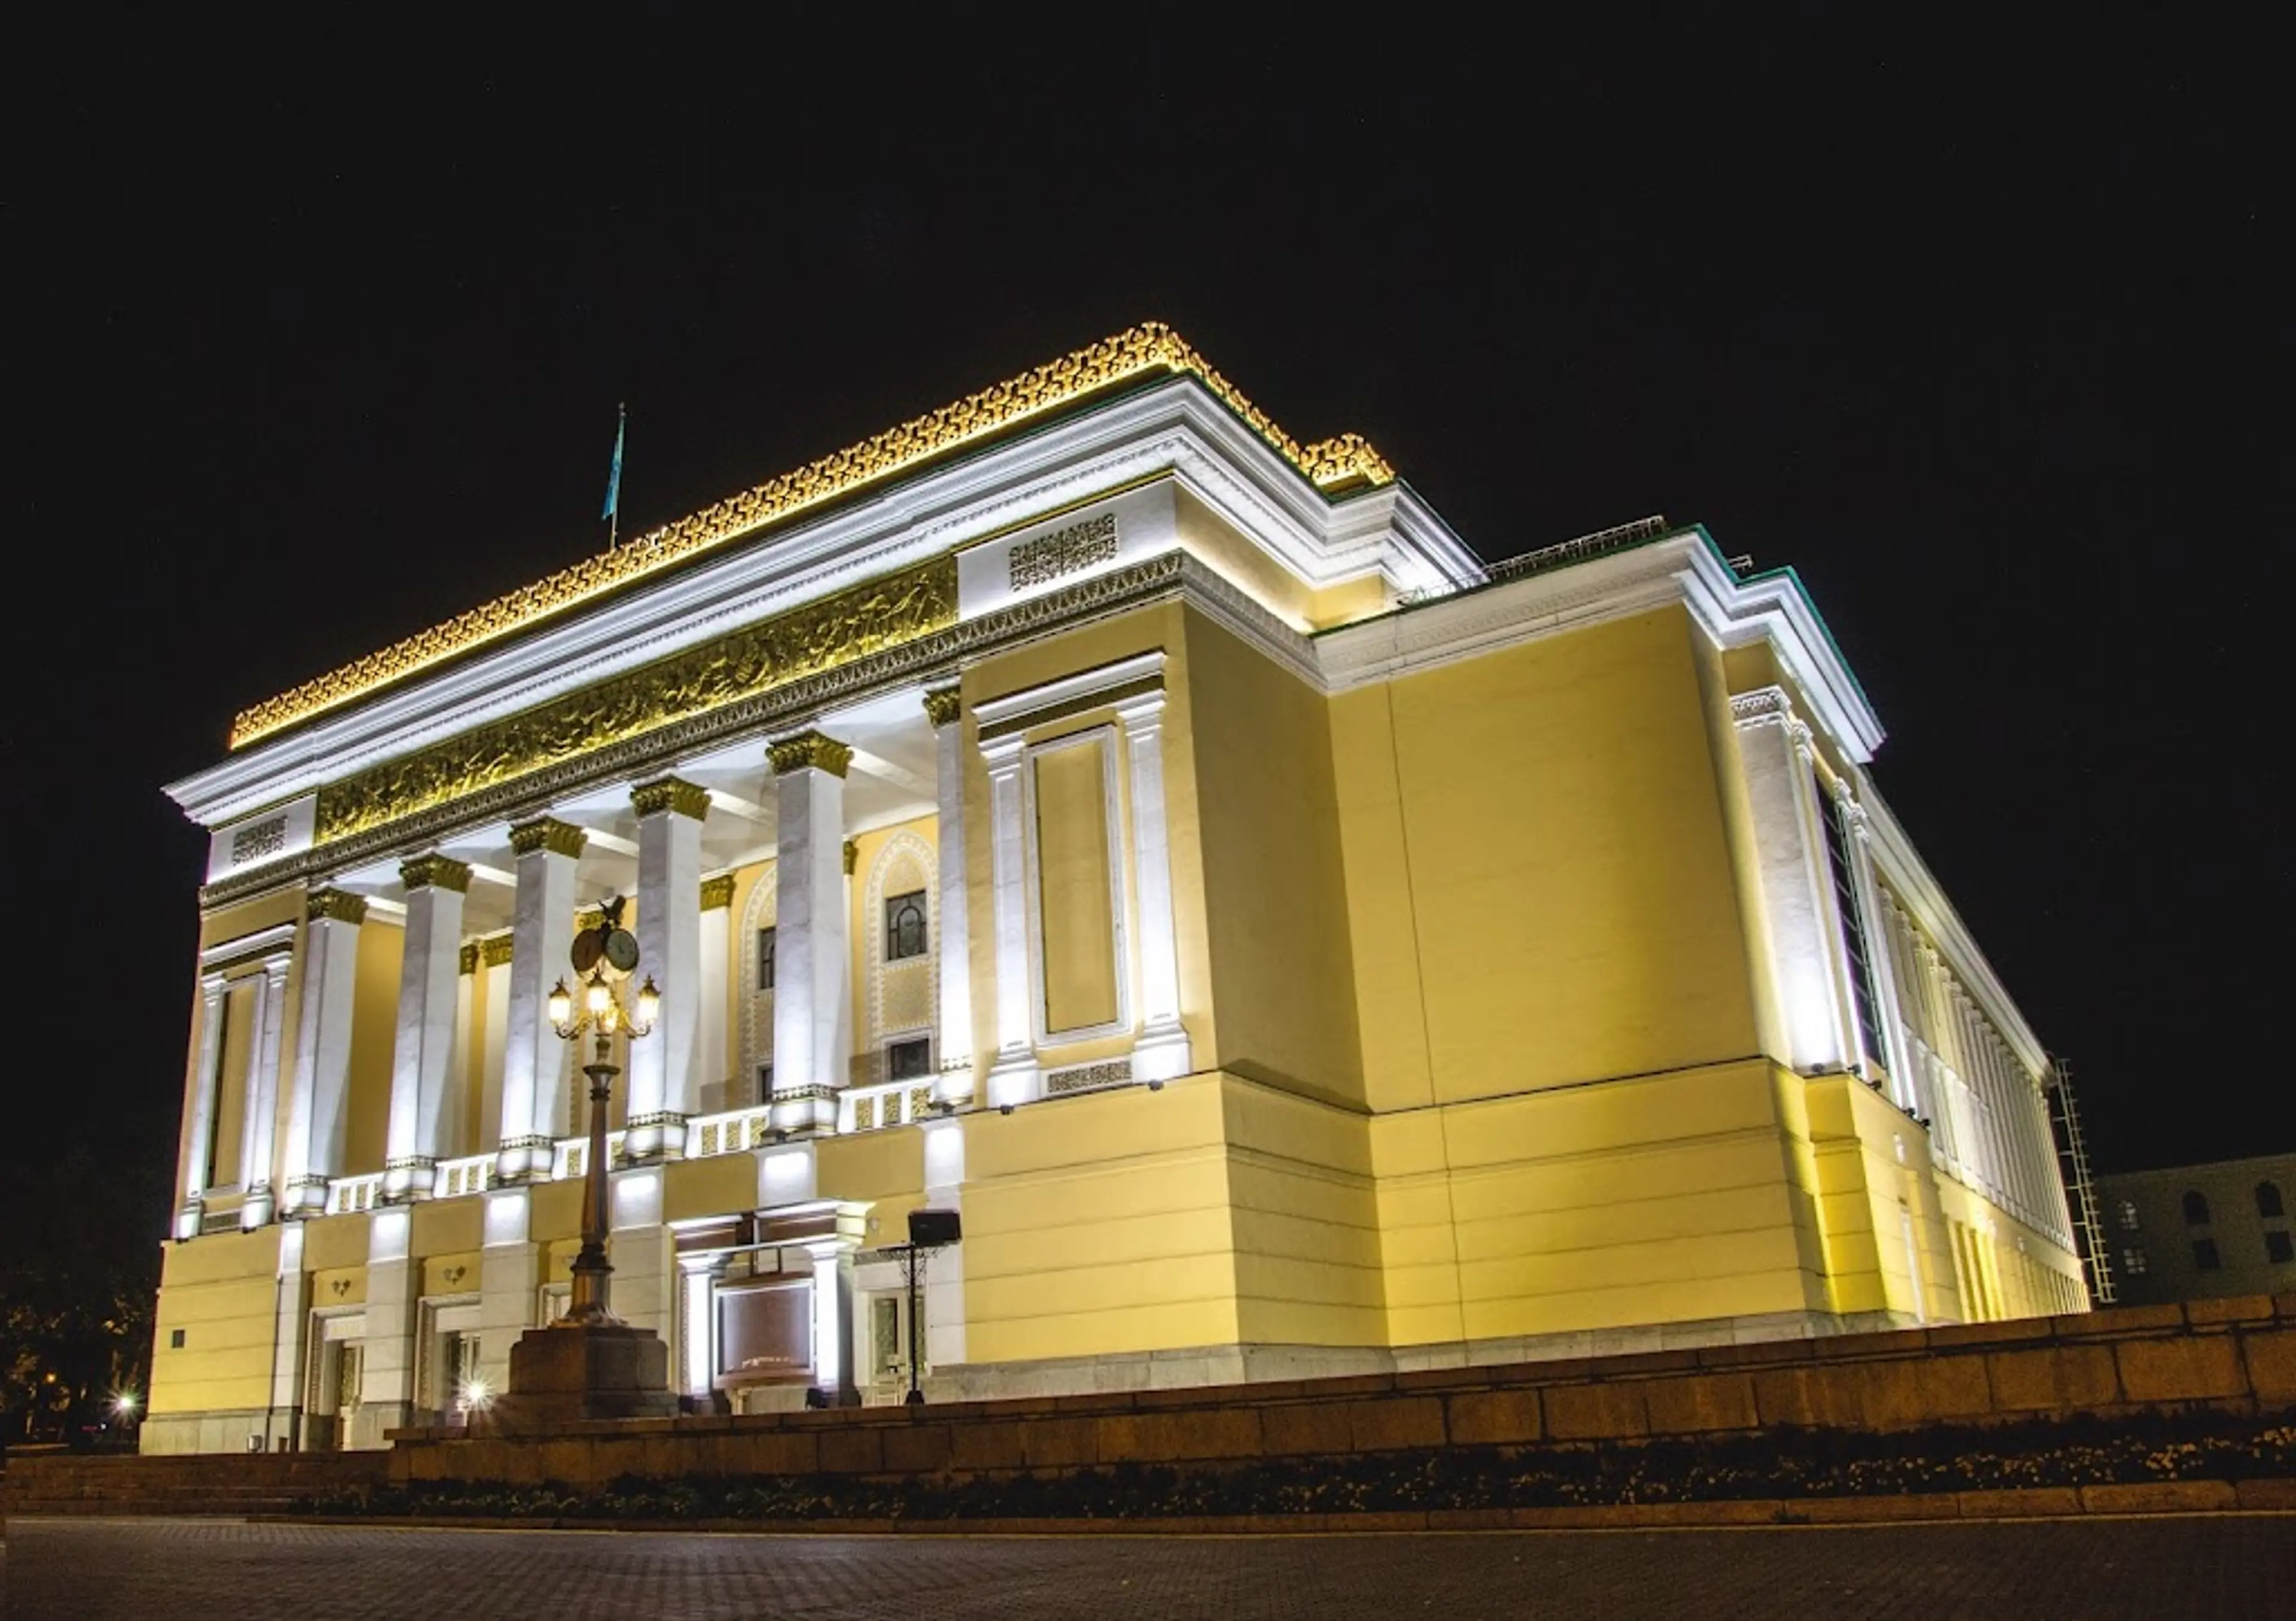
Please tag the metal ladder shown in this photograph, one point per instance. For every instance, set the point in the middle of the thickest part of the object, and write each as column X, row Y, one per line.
column 2072, row 1159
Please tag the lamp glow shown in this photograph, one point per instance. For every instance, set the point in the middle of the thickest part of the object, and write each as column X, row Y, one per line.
column 649, row 1007
column 599, row 996
column 562, row 1007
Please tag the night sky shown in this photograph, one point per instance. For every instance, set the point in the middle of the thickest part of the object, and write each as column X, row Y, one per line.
column 320, row 336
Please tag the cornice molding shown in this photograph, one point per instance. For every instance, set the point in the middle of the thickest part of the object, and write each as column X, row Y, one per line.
column 494, row 951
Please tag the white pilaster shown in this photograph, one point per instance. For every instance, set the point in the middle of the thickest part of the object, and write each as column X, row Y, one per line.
column 425, row 1034
column 641, row 1250
column 810, row 943
column 509, row 1280
column 535, row 1061
column 955, row 1083
column 259, row 1135
column 664, row 1083
column 713, row 1070
column 697, row 1332
column 1014, row 1077
column 199, row 1124
column 1774, row 747
column 387, row 1345
column 944, row 1286
column 316, row 1117
column 290, row 1337
column 1161, row 1052
column 1880, row 973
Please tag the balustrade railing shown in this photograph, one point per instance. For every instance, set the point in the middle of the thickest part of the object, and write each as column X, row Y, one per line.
column 864, row 1108
column 455, row 1177
column 349, row 1195
column 728, row 1133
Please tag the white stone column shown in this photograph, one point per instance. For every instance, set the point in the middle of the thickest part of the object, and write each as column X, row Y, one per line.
column 1161, row 1052
column 1880, row 973
column 283, row 1425
column 259, row 1135
column 321, row 1087
column 944, row 1285
column 810, row 945
column 200, row 1122
column 664, row 1086
column 697, row 1327
column 833, row 1317
column 640, row 1246
column 425, row 1034
column 713, row 1070
column 1774, row 747
column 535, row 1062
column 456, row 1111
column 1013, row 1077
column 955, row 1083
column 841, row 1064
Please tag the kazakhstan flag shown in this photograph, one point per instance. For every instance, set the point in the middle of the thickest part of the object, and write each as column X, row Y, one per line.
column 614, row 473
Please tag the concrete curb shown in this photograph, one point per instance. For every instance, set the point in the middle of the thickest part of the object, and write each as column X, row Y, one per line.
column 2177, row 1497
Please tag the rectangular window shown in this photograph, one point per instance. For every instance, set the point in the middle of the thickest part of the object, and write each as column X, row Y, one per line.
column 2204, row 1255
column 765, row 1083
column 905, row 926
column 764, row 959
column 2132, row 1261
column 909, row 1060
column 1839, row 840
column 2277, row 1248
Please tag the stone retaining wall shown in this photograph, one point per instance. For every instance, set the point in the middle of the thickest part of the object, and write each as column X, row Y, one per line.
column 216, row 1483
column 2234, row 1355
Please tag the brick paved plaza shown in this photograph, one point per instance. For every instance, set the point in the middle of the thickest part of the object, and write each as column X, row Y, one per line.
column 91, row 1570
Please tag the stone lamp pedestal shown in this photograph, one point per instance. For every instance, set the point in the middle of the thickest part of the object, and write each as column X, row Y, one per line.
column 575, row 1370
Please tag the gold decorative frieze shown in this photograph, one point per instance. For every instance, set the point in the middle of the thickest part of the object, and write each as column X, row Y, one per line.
column 466, row 959
column 494, row 951
column 434, row 872
column 809, row 749
column 266, row 838
column 547, row 834
column 587, row 919
column 804, row 641
column 1152, row 346
column 672, row 794
column 717, row 892
column 1070, row 551
column 944, row 706
column 338, row 905
column 852, row 857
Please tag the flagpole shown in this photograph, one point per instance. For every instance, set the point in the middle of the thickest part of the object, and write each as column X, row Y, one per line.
column 614, row 477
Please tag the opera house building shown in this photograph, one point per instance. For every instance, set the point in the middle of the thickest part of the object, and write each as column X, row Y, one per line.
column 1292, row 946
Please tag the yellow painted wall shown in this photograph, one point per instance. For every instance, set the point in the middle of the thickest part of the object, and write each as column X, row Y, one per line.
column 1542, row 824
column 1076, row 884
column 374, row 1018
column 232, row 1078
column 1274, row 883
column 221, row 1291
column 1305, row 1219
column 227, row 923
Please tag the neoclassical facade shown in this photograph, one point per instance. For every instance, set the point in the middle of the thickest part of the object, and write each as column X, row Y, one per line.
column 1293, row 946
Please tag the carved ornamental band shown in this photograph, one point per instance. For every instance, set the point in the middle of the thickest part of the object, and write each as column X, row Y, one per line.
column 335, row 906
column 944, row 706
column 809, row 749
column 434, row 872
column 1068, row 551
column 264, row 839
column 717, row 892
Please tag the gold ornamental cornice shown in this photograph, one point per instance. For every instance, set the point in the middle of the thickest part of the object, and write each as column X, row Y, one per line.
column 944, row 706
column 466, row 959
column 930, row 659
column 547, row 834
column 809, row 749
column 494, row 951
column 717, row 892
column 435, row 872
column 672, row 794
column 806, row 641
column 334, row 906
column 1146, row 349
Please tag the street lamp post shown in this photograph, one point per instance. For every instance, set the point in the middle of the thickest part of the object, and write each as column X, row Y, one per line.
column 601, row 1015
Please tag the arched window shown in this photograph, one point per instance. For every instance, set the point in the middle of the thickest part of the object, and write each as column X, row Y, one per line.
column 2267, row 1200
column 2197, row 1208
column 905, row 926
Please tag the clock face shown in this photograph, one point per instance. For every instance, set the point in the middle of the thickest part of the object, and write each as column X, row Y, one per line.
column 589, row 946
column 621, row 949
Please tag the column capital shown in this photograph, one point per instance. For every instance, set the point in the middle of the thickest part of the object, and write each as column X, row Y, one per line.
column 334, row 906
column 812, row 749
column 466, row 961
column 852, row 854
column 547, row 834
column 672, row 794
column 495, row 951
column 435, row 872
column 718, row 893
column 944, row 706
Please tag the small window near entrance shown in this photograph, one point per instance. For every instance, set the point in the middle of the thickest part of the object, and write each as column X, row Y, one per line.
column 764, row 959
column 905, row 926
column 909, row 1060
